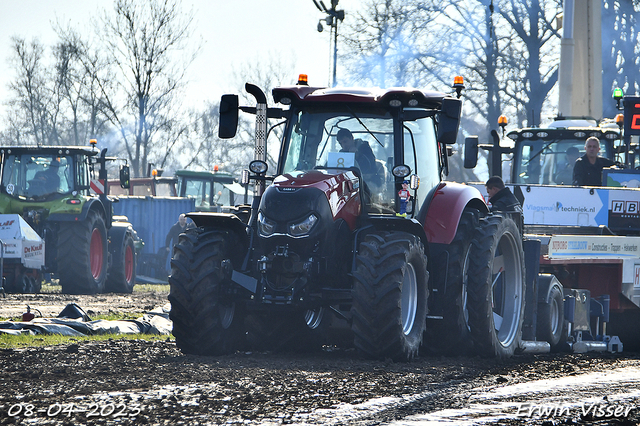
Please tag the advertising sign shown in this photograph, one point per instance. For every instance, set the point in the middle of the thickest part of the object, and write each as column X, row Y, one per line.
column 593, row 247
column 616, row 208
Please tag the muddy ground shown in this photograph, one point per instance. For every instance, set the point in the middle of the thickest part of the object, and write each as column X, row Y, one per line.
column 153, row 383
column 51, row 304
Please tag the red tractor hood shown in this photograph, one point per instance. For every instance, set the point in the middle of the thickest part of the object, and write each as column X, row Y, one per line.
column 341, row 188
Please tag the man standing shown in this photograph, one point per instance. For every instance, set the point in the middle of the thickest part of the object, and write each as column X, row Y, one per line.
column 501, row 197
column 588, row 168
column 178, row 228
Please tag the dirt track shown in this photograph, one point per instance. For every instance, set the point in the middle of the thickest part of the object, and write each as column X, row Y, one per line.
column 139, row 382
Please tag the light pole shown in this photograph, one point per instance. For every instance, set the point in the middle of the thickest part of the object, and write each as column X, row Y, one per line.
column 333, row 16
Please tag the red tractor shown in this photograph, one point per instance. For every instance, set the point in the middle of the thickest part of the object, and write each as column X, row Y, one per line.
column 324, row 251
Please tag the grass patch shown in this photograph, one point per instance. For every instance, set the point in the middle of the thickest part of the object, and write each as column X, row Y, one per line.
column 28, row 341
column 54, row 287
column 151, row 288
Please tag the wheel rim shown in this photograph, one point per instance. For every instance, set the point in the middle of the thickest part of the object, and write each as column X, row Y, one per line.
column 554, row 315
column 506, row 290
column 226, row 315
column 96, row 254
column 128, row 263
column 313, row 317
column 409, row 303
column 465, row 296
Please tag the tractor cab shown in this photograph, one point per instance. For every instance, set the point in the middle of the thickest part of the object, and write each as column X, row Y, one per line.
column 313, row 143
column 41, row 176
column 546, row 155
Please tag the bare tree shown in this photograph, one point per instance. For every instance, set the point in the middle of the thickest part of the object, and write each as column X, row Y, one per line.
column 82, row 75
column 383, row 44
column 34, row 103
column 204, row 150
column 620, row 50
column 503, row 48
column 143, row 39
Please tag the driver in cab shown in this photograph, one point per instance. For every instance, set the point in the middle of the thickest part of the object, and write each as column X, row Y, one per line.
column 364, row 157
column 46, row 181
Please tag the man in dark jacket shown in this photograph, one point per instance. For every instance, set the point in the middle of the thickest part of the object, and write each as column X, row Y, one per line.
column 501, row 197
column 178, row 228
column 588, row 168
column 364, row 155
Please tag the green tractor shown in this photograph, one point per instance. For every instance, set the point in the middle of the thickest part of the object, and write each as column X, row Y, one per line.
column 213, row 191
column 52, row 190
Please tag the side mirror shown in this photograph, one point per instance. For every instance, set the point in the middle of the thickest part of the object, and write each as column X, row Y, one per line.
column 124, row 177
column 449, row 120
column 470, row 152
column 228, row 116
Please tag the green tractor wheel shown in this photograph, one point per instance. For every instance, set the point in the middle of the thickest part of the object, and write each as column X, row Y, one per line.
column 82, row 255
column 122, row 273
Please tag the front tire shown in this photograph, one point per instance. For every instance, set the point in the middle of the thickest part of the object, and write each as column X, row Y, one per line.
column 122, row 273
column 550, row 325
column 496, row 288
column 203, row 322
column 82, row 255
column 390, row 296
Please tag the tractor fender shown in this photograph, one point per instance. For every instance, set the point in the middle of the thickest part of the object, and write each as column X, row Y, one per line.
column 116, row 235
column 388, row 223
column 117, row 232
column 228, row 221
column 411, row 226
column 93, row 203
column 443, row 209
column 545, row 283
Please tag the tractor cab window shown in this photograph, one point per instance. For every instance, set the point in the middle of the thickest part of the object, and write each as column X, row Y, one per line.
column 421, row 154
column 314, row 145
column 550, row 161
column 37, row 176
column 200, row 190
column 82, row 174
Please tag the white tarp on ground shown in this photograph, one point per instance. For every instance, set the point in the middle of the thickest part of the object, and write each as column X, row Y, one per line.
column 155, row 321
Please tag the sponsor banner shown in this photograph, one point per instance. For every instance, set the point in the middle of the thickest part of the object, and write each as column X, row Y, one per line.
column 593, row 247
column 617, row 208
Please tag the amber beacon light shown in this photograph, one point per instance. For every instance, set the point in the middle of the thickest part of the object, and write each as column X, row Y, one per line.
column 303, row 80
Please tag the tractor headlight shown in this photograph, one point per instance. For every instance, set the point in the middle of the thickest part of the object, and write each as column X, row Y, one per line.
column 265, row 226
column 302, row 228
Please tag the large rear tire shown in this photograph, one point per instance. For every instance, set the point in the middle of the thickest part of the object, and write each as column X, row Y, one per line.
column 203, row 322
column 496, row 287
column 451, row 334
column 122, row 273
column 390, row 296
column 82, row 255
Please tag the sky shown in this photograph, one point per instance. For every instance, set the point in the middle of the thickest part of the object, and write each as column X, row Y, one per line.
column 232, row 31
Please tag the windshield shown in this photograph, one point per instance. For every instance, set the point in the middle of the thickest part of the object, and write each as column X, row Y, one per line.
column 199, row 190
column 364, row 140
column 34, row 176
column 550, row 161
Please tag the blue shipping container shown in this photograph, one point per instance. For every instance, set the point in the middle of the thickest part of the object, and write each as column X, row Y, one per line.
column 152, row 217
